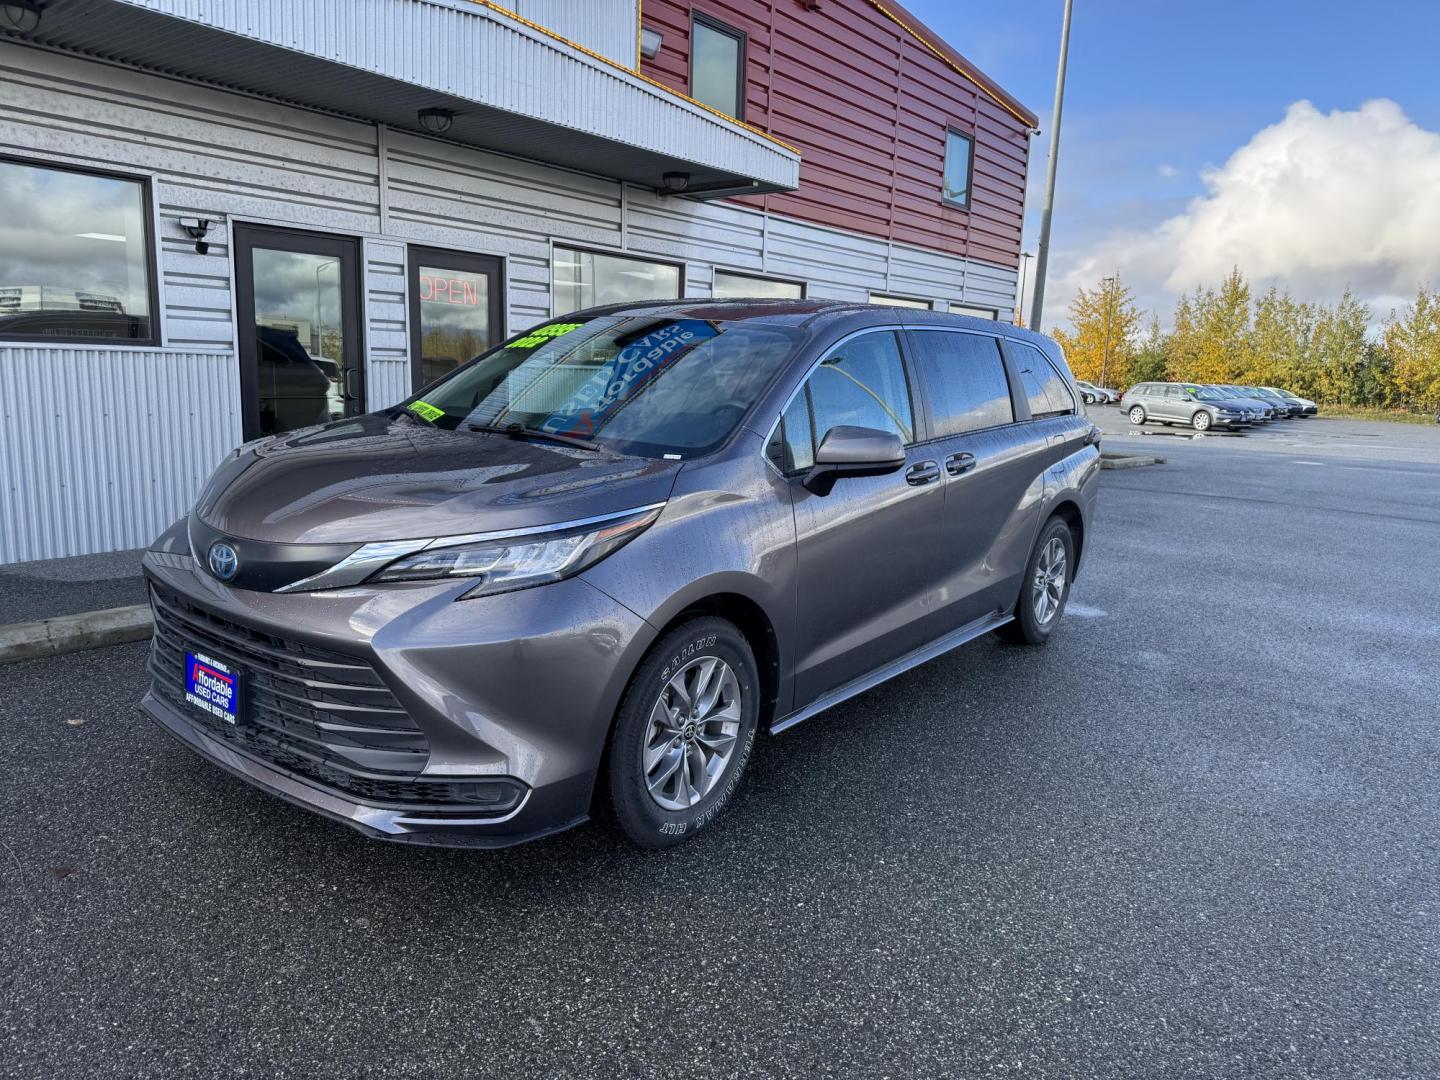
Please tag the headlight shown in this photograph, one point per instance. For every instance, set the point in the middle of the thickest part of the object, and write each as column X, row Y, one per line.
column 502, row 564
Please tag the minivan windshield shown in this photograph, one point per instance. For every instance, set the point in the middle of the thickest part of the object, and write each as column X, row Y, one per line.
column 647, row 385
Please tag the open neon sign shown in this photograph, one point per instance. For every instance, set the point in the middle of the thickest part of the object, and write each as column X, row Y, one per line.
column 437, row 289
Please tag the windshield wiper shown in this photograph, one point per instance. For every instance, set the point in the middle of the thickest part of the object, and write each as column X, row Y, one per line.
column 520, row 431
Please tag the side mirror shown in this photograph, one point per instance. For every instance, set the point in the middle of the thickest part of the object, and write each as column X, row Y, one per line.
column 853, row 451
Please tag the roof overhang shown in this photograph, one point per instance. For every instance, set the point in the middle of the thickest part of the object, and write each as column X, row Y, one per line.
column 514, row 87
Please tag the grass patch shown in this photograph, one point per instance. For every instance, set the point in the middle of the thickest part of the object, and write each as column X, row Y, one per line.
column 1360, row 412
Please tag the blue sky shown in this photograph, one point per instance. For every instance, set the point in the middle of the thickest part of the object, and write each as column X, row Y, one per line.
column 1160, row 91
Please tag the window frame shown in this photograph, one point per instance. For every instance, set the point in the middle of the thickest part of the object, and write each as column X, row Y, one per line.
column 919, row 410
column 477, row 262
column 1011, row 378
column 618, row 253
column 951, row 129
column 742, row 40
column 152, row 259
column 749, row 276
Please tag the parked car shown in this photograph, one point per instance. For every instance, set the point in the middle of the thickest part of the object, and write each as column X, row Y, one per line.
column 1247, row 397
column 1201, row 407
column 1307, row 407
column 592, row 563
column 1283, row 407
column 1091, row 394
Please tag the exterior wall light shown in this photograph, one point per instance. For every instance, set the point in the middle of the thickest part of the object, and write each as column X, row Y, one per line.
column 675, row 182
column 650, row 42
column 19, row 16
column 196, row 228
column 436, row 120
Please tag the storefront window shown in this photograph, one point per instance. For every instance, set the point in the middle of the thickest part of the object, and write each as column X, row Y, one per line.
column 735, row 286
column 586, row 278
column 74, row 255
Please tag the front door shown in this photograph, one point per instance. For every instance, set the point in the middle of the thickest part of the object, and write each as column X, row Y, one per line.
column 456, row 310
column 297, row 300
column 866, row 551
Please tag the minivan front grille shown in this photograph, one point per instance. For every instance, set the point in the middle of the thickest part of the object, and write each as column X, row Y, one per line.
column 306, row 710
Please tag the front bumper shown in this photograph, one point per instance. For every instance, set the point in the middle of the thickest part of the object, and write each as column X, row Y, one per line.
column 515, row 690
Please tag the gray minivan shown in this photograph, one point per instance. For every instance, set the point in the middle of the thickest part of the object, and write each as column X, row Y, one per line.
column 587, row 567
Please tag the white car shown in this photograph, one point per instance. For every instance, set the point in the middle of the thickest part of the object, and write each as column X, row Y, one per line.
column 1092, row 394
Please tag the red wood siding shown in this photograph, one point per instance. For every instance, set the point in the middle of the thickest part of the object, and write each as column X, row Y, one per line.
column 867, row 105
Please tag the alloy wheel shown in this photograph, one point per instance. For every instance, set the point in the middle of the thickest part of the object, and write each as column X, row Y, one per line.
column 693, row 733
column 1049, row 586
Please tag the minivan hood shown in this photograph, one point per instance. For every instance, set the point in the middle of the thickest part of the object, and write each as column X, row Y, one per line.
column 372, row 478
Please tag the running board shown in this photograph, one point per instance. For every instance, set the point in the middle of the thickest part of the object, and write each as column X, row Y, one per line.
column 938, row 647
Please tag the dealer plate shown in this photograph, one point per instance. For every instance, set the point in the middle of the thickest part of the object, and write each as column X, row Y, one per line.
column 213, row 686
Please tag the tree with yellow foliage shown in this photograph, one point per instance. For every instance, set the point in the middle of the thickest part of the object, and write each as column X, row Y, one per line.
column 1103, row 339
column 1413, row 341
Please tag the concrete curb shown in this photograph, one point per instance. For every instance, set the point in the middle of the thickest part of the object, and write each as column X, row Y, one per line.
column 1128, row 461
column 73, row 633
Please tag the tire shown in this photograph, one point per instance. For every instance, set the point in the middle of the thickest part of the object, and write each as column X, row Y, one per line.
column 1201, row 421
column 679, row 808
column 1137, row 415
column 1029, row 627
column 1089, row 399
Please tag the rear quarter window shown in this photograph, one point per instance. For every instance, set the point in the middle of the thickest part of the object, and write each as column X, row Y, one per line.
column 1045, row 387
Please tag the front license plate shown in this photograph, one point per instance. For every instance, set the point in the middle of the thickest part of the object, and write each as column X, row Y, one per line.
column 212, row 686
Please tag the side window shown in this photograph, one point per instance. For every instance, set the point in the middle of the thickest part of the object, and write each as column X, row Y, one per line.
column 1044, row 386
column 862, row 383
column 964, row 380
column 1172, row 391
column 793, row 447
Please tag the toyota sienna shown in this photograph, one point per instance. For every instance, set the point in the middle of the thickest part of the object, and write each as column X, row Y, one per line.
column 586, row 568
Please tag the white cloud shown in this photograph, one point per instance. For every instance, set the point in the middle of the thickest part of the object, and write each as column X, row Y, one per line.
column 1316, row 203
column 1168, row 171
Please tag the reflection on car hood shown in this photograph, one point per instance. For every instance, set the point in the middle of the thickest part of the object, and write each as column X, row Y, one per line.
column 371, row 478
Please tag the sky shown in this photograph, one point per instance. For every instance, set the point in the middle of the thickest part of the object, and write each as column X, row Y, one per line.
column 1297, row 140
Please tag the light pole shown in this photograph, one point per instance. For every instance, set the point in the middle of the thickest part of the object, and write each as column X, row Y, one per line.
column 1025, row 257
column 1043, row 261
column 1111, row 286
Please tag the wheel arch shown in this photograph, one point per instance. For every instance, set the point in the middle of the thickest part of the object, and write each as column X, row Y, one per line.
column 1068, row 511
column 751, row 619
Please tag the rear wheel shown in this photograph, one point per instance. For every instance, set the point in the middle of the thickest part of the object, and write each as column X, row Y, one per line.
column 684, row 733
column 1089, row 399
column 1046, row 586
column 1137, row 415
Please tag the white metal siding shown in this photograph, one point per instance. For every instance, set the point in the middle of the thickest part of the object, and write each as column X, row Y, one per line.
column 609, row 27
column 103, row 448
column 387, row 339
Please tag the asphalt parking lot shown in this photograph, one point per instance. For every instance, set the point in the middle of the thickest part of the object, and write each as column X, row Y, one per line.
column 1197, row 836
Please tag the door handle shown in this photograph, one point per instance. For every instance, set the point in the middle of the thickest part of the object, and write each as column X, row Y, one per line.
column 348, row 380
column 922, row 472
column 959, row 463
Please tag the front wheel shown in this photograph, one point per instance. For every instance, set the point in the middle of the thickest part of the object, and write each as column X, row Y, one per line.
column 1046, row 586
column 1200, row 421
column 1137, row 415
column 683, row 733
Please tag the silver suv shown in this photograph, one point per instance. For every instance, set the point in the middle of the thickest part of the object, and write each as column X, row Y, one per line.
column 1201, row 407
column 591, row 564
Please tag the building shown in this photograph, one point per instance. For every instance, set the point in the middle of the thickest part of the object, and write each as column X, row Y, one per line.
column 223, row 218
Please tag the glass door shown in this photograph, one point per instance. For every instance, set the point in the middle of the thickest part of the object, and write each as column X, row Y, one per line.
column 456, row 310
column 297, row 299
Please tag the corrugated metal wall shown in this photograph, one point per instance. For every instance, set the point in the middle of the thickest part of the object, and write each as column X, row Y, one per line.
column 606, row 26
column 102, row 448
column 142, row 427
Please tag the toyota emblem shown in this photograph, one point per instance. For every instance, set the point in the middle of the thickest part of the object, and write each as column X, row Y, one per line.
column 224, row 563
